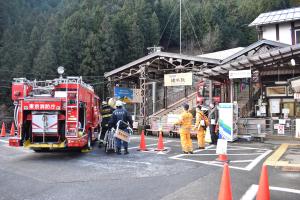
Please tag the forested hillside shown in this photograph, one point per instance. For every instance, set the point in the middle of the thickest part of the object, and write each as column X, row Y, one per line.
column 89, row 37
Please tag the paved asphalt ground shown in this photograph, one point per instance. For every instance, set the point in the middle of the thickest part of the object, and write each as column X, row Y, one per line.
column 25, row 174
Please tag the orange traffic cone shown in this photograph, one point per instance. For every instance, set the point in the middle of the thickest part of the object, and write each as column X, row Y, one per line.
column 142, row 142
column 3, row 131
column 263, row 189
column 222, row 158
column 225, row 192
column 160, row 144
column 12, row 130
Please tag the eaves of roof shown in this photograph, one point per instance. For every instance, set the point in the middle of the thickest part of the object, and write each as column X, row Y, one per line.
column 254, row 46
column 161, row 54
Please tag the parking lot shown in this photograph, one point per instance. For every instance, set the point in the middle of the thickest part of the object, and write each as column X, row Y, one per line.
column 170, row 174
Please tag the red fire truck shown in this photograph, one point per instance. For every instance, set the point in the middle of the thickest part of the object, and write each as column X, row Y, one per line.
column 55, row 114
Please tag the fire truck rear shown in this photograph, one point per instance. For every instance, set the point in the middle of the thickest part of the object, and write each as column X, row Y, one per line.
column 55, row 114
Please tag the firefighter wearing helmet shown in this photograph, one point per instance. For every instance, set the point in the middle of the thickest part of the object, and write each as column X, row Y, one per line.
column 106, row 113
column 121, row 114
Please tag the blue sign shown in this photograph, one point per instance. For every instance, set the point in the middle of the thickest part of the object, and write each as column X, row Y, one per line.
column 123, row 94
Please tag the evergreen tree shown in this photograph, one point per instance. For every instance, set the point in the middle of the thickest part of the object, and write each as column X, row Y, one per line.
column 45, row 63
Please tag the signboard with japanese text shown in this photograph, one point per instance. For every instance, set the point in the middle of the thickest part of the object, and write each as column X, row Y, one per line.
column 240, row 74
column 41, row 105
column 179, row 79
column 122, row 135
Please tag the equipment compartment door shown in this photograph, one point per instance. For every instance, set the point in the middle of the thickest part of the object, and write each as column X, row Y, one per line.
column 44, row 123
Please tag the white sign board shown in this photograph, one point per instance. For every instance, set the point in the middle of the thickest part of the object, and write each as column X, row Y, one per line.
column 227, row 116
column 275, row 105
column 178, row 79
column 240, row 74
column 296, row 95
column 280, row 129
column 281, row 121
column 221, row 146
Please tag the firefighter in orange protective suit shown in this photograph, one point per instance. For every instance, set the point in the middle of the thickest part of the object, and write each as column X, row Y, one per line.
column 185, row 123
column 200, row 126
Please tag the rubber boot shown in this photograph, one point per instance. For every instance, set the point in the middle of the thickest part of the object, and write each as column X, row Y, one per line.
column 126, row 150
column 119, row 151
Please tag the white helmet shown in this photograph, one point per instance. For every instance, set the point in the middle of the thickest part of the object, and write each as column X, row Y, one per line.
column 119, row 103
column 111, row 102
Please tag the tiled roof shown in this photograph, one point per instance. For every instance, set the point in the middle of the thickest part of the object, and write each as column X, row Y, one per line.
column 286, row 15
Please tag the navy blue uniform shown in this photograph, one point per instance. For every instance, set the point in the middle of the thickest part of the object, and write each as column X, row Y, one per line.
column 123, row 115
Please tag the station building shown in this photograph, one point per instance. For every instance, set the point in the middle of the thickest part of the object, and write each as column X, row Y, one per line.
column 265, row 98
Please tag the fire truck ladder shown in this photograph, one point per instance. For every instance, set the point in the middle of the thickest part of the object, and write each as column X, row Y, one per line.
column 70, row 107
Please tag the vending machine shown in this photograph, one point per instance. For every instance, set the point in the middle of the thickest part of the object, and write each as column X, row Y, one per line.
column 228, row 118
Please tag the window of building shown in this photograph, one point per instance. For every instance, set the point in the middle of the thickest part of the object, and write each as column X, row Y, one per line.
column 297, row 36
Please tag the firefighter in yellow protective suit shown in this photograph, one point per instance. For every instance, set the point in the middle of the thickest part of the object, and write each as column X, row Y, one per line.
column 185, row 123
column 200, row 126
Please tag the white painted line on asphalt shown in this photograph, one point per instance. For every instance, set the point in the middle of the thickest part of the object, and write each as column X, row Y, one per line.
column 257, row 160
column 4, row 141
column 248, row 147
column 229, row 154
column 148, row 145
column 240, row 161
column 285, row 190
column 231, row 150
column 249, row 167
column 138, row 138
column 199, row 150
column 136, row 147
column 251, row 192
column 206, row 148
column 213, row 163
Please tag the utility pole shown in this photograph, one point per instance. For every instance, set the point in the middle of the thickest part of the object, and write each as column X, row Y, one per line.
column 180, row 27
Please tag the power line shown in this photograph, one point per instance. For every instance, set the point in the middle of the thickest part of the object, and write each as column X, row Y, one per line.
column 174, row 8
column 188, row 15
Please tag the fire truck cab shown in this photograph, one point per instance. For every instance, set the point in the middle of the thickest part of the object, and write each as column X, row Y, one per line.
column 55, row 114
